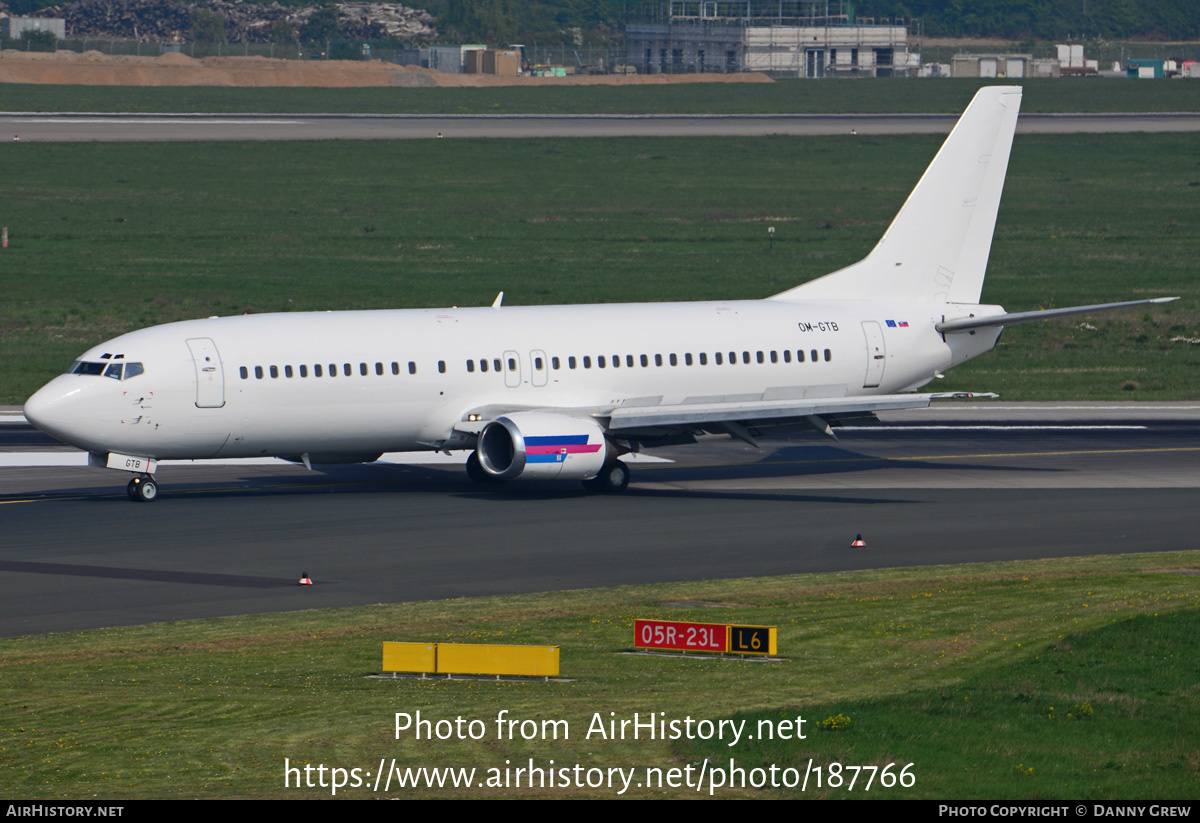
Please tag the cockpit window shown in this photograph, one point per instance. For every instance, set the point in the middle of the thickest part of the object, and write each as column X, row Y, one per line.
column 83, row 367
column 113, row 370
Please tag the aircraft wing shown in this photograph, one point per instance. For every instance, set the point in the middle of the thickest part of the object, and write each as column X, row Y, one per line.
column 743, row 419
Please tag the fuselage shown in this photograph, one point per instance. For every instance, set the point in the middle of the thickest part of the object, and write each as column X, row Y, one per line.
column 365, row 382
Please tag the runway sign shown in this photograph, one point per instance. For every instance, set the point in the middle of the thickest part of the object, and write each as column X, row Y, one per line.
column 681, row 637
column 753, row 640
column 670, row 635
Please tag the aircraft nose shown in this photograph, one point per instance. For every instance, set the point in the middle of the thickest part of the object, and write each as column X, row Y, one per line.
column 39, row 407
column 54, row 408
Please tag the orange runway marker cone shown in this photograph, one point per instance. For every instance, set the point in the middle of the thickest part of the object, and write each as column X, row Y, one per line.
column 858, row 543
column 305, row 580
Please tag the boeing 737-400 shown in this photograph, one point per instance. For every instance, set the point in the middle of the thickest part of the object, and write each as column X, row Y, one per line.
column 564, row 391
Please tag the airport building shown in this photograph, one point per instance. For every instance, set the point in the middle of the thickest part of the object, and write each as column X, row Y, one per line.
column 791, row 38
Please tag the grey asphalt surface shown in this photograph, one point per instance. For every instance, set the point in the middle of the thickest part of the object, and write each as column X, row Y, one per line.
column 32, row 127
column 996, row 482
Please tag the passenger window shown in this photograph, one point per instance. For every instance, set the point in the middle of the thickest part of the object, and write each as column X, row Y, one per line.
column 258, row 373
column 600, row 361
column 496, row 364
column 244, row 372
column 346, row 370
column 814, row 355
column 555, row 364
column 470, row 367
column 317, row 370
column 719, row 358
column 571, row 362
column 537, row 363
column 587, row 361
column 304, row 371
column 395, row 367
column 512, row 364
column 333, row 369
column 746, row 357
column 774, row 357
column 800, row 356
column 645, row 361
column 787, row 355
column 441, row 367
column 687, row 359
column 362, row 369
column 616, row 360
column 674, row 359
column 828, row 355
column 378, row 368
column 703, row 358
column 274, row 371
column 759, row 357
column 658, row 359
column 287, row 371
column 412, row 367
column 483, row 365
column 733, row 358
column 113, row 371
column 629, row 360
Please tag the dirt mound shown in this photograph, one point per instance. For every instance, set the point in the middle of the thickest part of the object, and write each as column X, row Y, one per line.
column 175, row 69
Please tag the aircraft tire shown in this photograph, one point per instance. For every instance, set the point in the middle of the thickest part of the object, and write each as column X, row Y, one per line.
column 476, row 472
column 612, row 479
column 142, row 490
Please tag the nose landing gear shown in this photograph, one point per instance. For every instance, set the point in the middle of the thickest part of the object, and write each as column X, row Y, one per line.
column 142, row 489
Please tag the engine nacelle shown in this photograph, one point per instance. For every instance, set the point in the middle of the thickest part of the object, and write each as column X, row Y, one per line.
column 542, row 445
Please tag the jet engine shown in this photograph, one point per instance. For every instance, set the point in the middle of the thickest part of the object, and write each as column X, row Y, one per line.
column 543, row 446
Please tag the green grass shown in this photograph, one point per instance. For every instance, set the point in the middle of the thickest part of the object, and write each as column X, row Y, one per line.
column 1093, row 694
column 785, row 96
column 106, row 238
column 952, row 669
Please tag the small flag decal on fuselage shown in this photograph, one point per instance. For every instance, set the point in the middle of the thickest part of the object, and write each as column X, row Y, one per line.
column 897, row 323
column 554, row 449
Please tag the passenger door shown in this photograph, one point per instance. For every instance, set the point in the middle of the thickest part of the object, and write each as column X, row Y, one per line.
column 210, row 376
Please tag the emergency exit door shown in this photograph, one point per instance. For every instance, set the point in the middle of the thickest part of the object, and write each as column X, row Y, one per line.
column 876, row 354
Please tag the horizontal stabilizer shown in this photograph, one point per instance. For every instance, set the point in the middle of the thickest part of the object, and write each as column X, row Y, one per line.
column 969, row 323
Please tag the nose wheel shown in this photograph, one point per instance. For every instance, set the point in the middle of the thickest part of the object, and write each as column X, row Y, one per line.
column 142, row 489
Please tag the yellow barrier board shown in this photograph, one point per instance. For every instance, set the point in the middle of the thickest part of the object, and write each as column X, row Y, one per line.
column 410, row 657
column 532, row 661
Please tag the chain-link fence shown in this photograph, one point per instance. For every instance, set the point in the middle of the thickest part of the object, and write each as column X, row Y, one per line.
column 1102, row 51
column 576, row 59
column 591, row 59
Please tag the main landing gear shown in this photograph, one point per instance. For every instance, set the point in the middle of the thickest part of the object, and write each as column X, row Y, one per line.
column 477, row 474
column 142, row 489
column 612, row 479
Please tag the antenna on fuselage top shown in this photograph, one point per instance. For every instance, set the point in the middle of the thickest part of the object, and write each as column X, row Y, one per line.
column 498, row 301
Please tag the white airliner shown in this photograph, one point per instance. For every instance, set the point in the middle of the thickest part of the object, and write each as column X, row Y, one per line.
column 564, row 391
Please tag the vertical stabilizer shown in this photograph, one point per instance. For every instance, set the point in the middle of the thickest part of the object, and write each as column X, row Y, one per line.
column 937, row 248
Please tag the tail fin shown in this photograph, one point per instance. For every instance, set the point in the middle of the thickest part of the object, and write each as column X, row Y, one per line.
column 937, row 248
